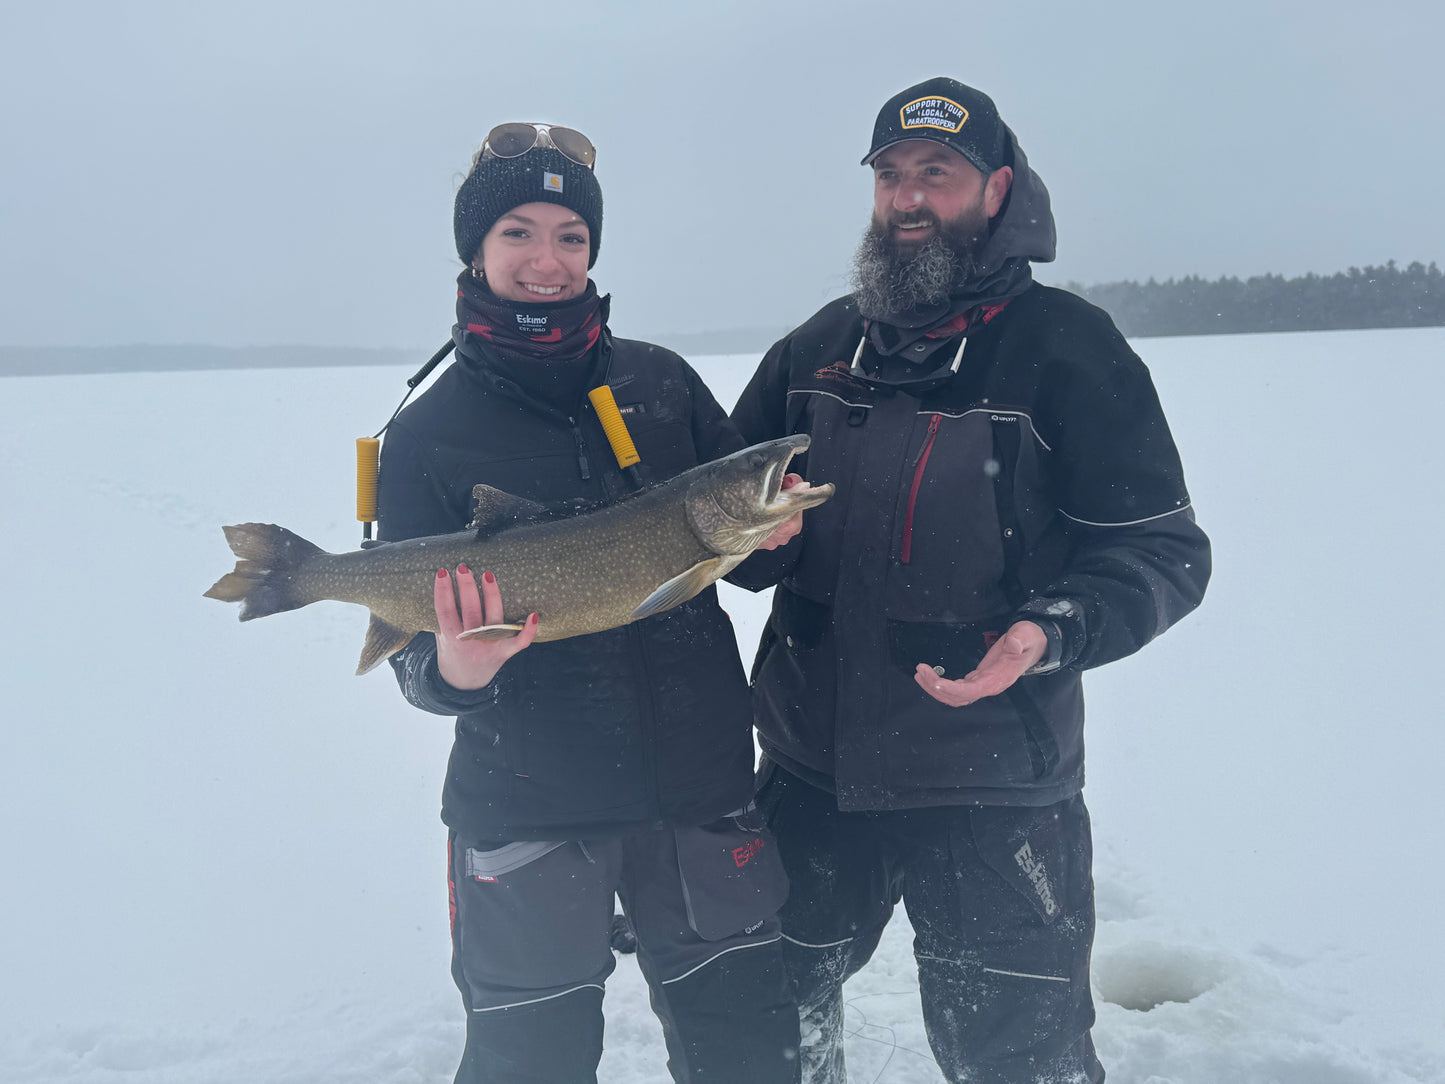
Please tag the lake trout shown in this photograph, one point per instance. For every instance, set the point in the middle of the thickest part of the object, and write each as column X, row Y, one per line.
column 583, row 573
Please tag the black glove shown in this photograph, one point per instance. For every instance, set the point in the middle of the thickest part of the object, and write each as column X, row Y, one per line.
column 623, row 939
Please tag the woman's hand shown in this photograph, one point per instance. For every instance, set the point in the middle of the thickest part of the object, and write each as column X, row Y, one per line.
column 789, row 529
column 471, row 664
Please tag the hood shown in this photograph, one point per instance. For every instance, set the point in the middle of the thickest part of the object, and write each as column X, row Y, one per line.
column 1023, row 232
column 1024, row 229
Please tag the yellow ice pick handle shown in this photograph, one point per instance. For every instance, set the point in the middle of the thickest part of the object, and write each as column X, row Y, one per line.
column 614, row 427
column 368, row 459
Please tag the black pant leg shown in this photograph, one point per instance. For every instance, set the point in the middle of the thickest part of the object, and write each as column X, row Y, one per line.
column 726, row 1009
column 732, row 1021
column 530, row 955
column 1001, row 900
column 844, row 885
column 553, row 1042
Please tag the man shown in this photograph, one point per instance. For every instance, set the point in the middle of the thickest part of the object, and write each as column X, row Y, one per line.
column 1010, row 512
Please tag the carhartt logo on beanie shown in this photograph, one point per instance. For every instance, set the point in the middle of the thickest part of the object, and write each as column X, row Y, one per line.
column 542, row 175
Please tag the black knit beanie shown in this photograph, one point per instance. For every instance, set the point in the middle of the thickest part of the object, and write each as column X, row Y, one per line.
column 542, row 175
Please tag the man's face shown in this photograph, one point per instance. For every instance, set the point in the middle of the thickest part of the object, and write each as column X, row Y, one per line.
column 921, row 188
column 930, row 219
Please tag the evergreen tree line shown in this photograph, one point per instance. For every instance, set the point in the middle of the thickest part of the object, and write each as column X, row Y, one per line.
column 1387, row 296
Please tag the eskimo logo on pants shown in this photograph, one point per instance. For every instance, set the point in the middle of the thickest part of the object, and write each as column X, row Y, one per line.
column 1038, row 876
column 746, row 851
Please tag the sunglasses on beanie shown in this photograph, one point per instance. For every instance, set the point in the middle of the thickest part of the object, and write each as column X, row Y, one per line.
column 516, row 138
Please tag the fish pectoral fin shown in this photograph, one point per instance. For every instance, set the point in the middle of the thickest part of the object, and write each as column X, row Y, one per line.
column 383, row 640
column 493, row 509
column 491, row 632
column 679, row 589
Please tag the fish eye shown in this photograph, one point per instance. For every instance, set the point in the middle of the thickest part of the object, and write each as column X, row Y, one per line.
column 757, row 460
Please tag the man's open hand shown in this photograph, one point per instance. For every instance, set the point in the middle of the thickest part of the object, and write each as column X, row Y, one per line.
column 1014, row 652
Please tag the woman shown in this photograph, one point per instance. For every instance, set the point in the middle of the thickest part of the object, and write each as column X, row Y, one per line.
column 619, row 762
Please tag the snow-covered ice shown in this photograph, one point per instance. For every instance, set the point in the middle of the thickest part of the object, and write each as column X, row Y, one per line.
column 222, row 860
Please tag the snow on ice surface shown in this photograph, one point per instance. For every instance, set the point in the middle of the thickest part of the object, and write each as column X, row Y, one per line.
column 222, row 857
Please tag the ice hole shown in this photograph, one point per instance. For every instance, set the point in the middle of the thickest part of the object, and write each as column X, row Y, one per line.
column 1144, row 976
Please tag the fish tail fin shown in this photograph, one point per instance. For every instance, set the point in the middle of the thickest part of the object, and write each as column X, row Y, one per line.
column 262, row 581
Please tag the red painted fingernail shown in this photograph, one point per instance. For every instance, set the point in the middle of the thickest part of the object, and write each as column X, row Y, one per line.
column 534, row 618
column 463, row 570
column 489, row 577
column 441, row 573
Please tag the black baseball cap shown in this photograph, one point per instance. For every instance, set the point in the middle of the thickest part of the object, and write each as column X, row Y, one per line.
column 948, row 112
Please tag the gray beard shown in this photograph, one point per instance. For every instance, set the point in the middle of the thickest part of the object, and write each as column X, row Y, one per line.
column 890, row 279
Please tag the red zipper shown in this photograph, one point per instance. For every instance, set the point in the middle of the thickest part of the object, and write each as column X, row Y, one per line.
column 913, row 490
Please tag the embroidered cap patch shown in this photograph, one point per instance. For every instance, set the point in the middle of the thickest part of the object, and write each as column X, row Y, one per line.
column 552, row 182
column 942, row 113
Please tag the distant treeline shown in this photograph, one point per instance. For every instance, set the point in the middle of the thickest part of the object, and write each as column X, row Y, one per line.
column 1387, row 296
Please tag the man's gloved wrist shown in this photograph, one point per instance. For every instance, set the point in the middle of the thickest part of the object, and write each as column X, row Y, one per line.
column 1062, row 622
column 1050, row 660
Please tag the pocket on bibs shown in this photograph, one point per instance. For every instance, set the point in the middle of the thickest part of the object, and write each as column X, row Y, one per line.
column 732, row 876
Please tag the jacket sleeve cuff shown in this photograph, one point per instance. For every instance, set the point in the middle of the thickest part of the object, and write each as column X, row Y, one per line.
column 1062, row 622
column 424, row 687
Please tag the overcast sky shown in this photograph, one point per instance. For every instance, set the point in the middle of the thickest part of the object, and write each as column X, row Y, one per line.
column 265, row 173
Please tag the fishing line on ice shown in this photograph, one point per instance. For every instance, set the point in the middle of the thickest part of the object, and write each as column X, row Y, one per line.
column 891, row 1042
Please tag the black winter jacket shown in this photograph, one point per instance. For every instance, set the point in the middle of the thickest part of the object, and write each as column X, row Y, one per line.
column 586, row 736
column 1040, row 481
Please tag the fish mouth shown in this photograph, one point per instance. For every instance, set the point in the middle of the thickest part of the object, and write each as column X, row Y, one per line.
column 740, row 500
column 776, row 499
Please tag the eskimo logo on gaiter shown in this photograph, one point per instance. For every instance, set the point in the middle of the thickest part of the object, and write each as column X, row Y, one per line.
column 1038, row 876
column 942, row 113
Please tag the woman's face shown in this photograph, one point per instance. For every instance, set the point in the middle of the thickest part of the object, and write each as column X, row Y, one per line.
column 536, row 252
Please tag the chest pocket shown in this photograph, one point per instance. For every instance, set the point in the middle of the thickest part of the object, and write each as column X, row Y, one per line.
column 663, row 442
column 954, row 522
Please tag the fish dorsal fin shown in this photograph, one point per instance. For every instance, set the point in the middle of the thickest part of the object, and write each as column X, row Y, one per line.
column 383, row 640
column 493, row 510
column 679, row 589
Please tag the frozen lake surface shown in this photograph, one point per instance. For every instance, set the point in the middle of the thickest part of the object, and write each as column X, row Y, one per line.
column 223, row 861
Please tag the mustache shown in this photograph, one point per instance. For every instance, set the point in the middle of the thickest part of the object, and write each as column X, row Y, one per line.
column 899, row 220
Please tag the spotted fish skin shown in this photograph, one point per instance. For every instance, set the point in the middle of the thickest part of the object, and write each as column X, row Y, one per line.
column 581, row 574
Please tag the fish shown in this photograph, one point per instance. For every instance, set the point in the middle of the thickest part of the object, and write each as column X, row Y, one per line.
column 580, row 573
